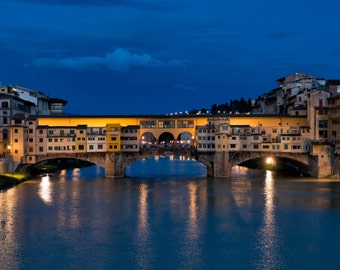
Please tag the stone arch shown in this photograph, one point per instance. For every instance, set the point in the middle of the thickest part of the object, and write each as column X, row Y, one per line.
column 185, row 139
column 297, row 162
column 166, row 139
column 59, row 163
column 147, row 140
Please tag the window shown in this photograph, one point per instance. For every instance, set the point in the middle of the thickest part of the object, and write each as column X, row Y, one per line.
column 323, row 124
column 91, row 147
column 81, row 147
column 16, row 130
column 148, row 124
column 185, row 123
column 4, row 104
column 166, row 124
column 41, row 149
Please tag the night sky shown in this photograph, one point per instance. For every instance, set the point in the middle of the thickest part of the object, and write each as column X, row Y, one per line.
column 164, row 56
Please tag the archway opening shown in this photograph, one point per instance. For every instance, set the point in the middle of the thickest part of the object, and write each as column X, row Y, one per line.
column 185, row 140
column 57, row 164
column 148, row 140
column 166, row 139
column 281, row 165
column 165, row 166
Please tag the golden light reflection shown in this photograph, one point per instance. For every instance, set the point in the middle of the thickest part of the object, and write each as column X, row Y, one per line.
column 268, row 238
column 241, row 190
column 193, row 228
column 9, row 226
column 45, row 191
column 144, row 251
column 62, row 175
column 75, row 174
column 143, row 224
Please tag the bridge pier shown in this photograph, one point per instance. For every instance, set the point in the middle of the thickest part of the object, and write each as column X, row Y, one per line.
column 222, row 167
column 320, row 161
column 109, row 164
column 217, row 164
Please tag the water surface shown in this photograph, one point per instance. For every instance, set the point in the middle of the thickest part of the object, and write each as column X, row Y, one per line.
column 254, row 220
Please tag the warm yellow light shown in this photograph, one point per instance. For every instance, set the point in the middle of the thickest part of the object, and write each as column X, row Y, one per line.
column 269, row 161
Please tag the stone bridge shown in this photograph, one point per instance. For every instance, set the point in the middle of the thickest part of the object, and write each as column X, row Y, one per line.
column 219, row 164
column 115, row 163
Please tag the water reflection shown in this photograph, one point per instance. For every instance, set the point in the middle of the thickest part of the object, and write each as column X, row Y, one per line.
column 192, row 225
column 267, row 237
column 45, row 190
column 144, row 250
column 10, row 245
column 76, row 174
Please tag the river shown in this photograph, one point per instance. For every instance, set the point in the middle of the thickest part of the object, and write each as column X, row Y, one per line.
column 156, row 219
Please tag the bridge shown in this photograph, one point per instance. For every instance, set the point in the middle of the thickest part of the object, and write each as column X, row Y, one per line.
column 218, row 164
column 115, row 163
column 219, row 142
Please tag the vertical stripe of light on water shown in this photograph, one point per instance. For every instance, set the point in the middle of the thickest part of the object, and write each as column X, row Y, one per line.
column 268, row 239
column 144, row 250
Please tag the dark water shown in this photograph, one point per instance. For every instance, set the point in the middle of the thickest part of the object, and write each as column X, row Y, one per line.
column 254, row 220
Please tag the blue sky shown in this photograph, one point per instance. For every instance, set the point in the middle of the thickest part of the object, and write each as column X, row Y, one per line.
column 164, row 56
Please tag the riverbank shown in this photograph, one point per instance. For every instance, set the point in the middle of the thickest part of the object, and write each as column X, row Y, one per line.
column 10, row 180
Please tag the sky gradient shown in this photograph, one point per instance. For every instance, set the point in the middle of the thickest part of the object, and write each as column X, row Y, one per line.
column 163, row 56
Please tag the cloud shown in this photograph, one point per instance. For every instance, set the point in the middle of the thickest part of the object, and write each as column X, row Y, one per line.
column 119, row 60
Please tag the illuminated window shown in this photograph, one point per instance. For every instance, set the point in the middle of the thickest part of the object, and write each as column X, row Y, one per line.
column 185, row 123
column 148, row 124
column 166, row 124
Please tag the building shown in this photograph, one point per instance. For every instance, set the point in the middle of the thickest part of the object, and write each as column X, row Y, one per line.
column 21, row 101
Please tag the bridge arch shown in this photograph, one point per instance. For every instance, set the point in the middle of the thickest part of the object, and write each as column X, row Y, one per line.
column 147, row 140
column 166, row 139
column 167, row 165
column 220, row 164
column 185, row 139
